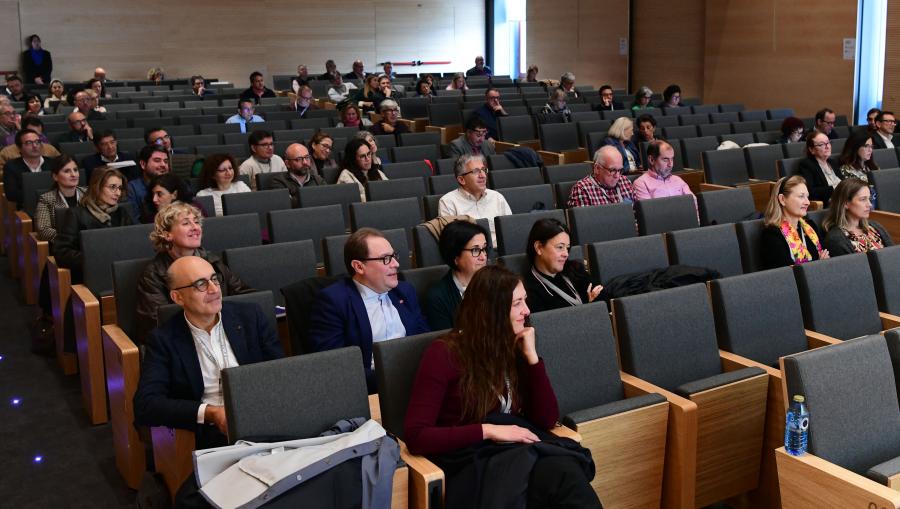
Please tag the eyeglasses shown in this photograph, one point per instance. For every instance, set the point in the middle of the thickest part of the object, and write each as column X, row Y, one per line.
column 114, row 188
column 367, row 155
column 612, row 170
column 493, row 98
column 162, row 139
column 391, row 110
column 202, row 285
column 479, row 250
column 33, row 143
column 476, row 171
column 888, row 121
column 386, row 259
column 481, row 133
column 265, row 145
column 822, row 145
column 827, row 122
column 299, row 159
column 324, row 146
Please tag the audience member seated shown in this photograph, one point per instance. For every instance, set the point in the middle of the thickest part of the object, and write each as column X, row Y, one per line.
column 430, row 79
column 10, row 122
column 885, row 123
column 848, row 225
column 871, row 116
column 473, row 198
column 642, row 98
column 100, row 74
column 556, row 110
column 605, row 185
column 373, row 144
column 464, row 248
column 79, row 129
column 458, row 82
column 177, row 232
column 56, row 97
column 321, row 145
column 825, row 123
column 246, row 114
column 531, row 73
column 358, row 166
column 856, row 157
column 29, row 144
column 15, row 89
column 263, row 158
column 484, row 384
column 389, row 123
column 473, row 140
column 11, row 151
column 620, row 136
column 107, row 147
column 37, row 64
column 218, row 177
column 154, row 161
column 302, row 102
column 301, row 79
column 646, row 129
column 816, row 170
column 671, row 97
column 98, row 87
column 33, row 106
column 340, row 91
column 367, row 96
column 567, row 84
column 161, row 138
column 351, row 116
column 64, row 193
column 489, row 111
column 164, row 190
column 84, row 104
column 156, row 75
column 789, row 238
column 792, row 129
column 181, row 380
column 480, row 69
column 257, row 89
column 423, row 89
column 658, row 181
column 552, row 280
column 367, row 306
column 606, row 100
column 358, row 73
column 388, row 69
column 386, row 90
column 330, row 71
column 300, row 173
column 198, row 87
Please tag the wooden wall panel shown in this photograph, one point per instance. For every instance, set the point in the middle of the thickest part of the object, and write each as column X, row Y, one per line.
column 229, row 39
column 10, row 39
column 891, row 95
column 581, row 36
column 778, row 53
column 668, row 45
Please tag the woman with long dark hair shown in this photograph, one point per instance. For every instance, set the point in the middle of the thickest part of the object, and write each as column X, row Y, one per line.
column 164, row 189
column 464, row 248
column 848, row 225
column 359, row 168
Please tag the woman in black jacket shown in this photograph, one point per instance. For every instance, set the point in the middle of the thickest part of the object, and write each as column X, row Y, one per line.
column 788, row 238
column 848, row 225
column 464, row 247
column 36, row 62
column 818, row 173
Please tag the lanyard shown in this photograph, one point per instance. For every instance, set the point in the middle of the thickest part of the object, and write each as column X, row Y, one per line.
column 552, row 288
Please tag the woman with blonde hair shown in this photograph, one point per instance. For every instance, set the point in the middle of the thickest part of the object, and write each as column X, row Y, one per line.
column 620, row 136
column 848, row 225
column 788, row 237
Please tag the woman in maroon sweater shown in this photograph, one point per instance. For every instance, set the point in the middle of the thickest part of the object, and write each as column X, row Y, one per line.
column 487, row 365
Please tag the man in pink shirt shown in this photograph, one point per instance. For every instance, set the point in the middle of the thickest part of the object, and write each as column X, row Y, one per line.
column 659, row 182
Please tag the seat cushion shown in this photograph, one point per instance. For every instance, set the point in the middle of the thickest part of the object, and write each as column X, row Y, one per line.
column 884, row 471
column 690, row 388
column 616, row 407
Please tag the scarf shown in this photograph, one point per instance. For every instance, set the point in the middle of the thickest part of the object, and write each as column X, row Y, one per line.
column 796, row 240
column 99, row 211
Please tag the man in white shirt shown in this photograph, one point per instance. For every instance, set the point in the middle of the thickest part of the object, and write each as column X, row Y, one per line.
column 262, row 157
column 472, row 197
column 180, row 384
column 339, row 90
column 885, row 123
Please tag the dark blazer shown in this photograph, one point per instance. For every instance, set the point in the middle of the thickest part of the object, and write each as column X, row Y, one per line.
column 774, row 249
column 67, row 247
column 92, row 162
column 12, row 178
column 171, row 384
column 250, row 94
column 284, row 181
column 441, row 303
column 487, row 115
column 541, row 299
column 339, row 319
column 32, row 70
column 815, row 180
column 837, row 243
column 616, row 105
column 71, row 137
column 878, row 141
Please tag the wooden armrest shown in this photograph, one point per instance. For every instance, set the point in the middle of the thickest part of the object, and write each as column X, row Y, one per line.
column 374, row 408
column 816, row 205
column 810, row 481
column 734, row 362
column 502, row 146
column 426, row 480
column 704, row 187
column 562, row 431
column 448, row 132
column 87, row 318
column 172, row 450
column 889, row 220
column 123, row 371
column 817, row 339
column 60, row 290
column 550, row 158
column 889, row 321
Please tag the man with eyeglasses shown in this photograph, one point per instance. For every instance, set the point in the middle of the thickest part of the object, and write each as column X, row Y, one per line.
column 79, row 129
column 30, row 146
column 262, row 157
column 246, row 114
column 302, row 101
column 181, row 372
column 659, row 182
column 154, row 161
column 605, row 185
column 300, row 173
column 11, row 151
column 472, row 142
column 472, row 197
column 198, row 87
column 606, row 100
column 84, row 103
column 9, row 121
column 368, row 306
column 825, row 119
column 490, row 111
column 885, row 123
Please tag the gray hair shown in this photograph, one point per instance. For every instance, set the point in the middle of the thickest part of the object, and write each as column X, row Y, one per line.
column 617, row 129
column 460, row 167
column 387, row 104
column 644, row 91
column 567, row 77
column 599, row 155
column 365, row 135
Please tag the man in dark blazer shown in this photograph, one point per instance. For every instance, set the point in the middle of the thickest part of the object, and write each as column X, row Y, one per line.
column 108, row 152
column 371, row 305
column 301, row 173
column 607, row 103
column 180, row 384
column 885, row 123
column 30, row 145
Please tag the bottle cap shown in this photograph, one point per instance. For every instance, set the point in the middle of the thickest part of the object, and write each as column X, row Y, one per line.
column 799, row 399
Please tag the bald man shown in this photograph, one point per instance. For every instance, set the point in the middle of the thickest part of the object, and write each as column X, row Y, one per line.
column 606, row 184
column 180, row 384
column 79, row 129
column 301, row 173
column 100, row 74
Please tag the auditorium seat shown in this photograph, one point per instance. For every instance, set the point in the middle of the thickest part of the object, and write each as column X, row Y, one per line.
column 761, row 162
column 528, row 198
column 517, row 177
column 661, row 215
column 560, row 145
column 259, row 202
column 725, row 206
column 314, row 223
column 273, row 266
column 512, row 231
column 713, row 247
column 343, row 194
column 422, row 278
column 412, row 187
column 614, row 258
column 601, row 223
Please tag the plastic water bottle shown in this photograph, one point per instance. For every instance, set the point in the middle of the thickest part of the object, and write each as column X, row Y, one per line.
column 796, row 427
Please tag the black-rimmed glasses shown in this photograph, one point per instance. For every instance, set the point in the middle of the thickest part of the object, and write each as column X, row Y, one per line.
column 386, row 259
column 202, row 284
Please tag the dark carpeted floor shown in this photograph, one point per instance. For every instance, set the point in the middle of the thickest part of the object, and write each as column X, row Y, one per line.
column 77, row 468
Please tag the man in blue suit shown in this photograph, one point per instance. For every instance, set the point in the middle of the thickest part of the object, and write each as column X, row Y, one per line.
column 180, row 384
column 369, row 306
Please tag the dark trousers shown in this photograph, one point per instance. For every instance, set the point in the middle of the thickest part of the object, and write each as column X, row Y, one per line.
column 559, row 482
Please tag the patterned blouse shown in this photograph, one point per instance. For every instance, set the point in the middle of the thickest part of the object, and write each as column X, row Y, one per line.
column 865, row 242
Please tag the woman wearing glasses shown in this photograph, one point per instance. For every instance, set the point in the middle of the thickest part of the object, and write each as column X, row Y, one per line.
column 464, row 248
column 177, row 232
column 320, row 147
column 358, row 166
column 820, row 176
column 552, row 280
column 390, row 119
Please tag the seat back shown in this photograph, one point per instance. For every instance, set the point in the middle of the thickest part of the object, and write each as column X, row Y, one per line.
column 314, row 223
column 408, row 169
column 443, row 184
column 263, row 299
column 559, row 137
column 512, row 231
column 851, row 313
column 259, row 202
column 125, row 275
column 516, row 128
column 714, row 129
column 761, row 161
column 422, row 278
column 386, row 214
column 343, row 194
column 725, row 167
column 567, row 172
column 331, row 382
column 725, row 206
column 615, row 258
column 397, row 188
column 527, row 198
column 413, row 153
column 657, row 328
column 885, row 266
column 273, row 266
column 695, row 147
column 264, row 180
column 517, row 177
column 417, row 139
column 749, row 234
column 680, row 132
column 851, row 388
column 102, row 246
column 240, row 230
column 601, row 223
column 396, row 364
column 887, row 185
column 758, row 315
column 660, row 215
column 713, row 247
column 885, row 158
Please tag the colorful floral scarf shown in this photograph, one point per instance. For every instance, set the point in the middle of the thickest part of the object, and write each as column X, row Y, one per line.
column 797, row 242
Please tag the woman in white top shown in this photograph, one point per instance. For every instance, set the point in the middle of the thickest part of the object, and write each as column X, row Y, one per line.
column 56, row 96
column 458, row 83
column 358, row 167
column 217, row 178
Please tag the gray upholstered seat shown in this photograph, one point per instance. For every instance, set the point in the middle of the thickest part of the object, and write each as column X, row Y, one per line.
column 333, row 250
column 125, row 276
column 567, row 172
column 407, row 168
column 680, row 132
column 887, row 185
column 527, row 198
column 343, row 194
column 615, row 258
column 559, row 137
column 724, row 117
column 396, row 188
column 660, row 215
column 725, row 167
column 749, row 234
column 694, row 148
column 725, row 206
column 885, row 158
column 885, row 266
column 422, row 278
column 224, row 232
column 758, row 115
column 415, row 139
column 443, row 184
column 264, row 180
column 517, row 177
column 313, row 223
column 273, row 266
column 601, row 223
column 758, row 315
column 259, row 202
column 518, row 128
column 386, row 214
column 100, row 247
column 714, row 247
column 412, row 153
column 838, row 296
column 512, row 231
column 714, row 129
column 761, row 161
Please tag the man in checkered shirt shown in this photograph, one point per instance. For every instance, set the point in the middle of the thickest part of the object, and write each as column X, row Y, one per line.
column 605, row 185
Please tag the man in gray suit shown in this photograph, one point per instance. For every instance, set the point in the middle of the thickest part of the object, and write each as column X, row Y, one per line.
column 473, row 140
